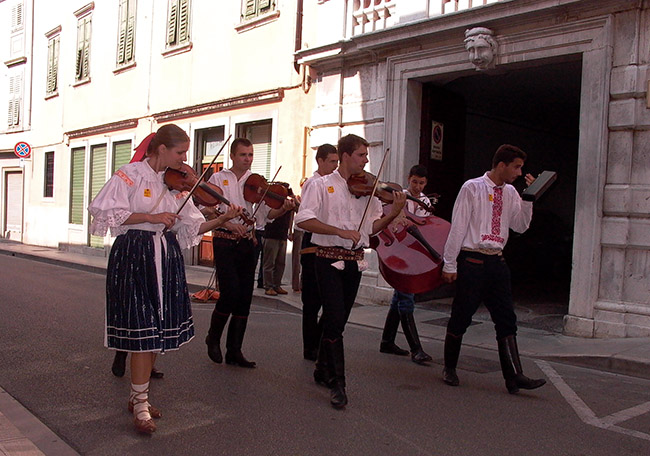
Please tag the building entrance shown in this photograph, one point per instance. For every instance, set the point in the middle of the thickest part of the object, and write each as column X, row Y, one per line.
column 537, row 109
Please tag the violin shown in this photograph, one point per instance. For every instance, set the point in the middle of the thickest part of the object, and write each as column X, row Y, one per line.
column 274, row 194
column 362, row 184
column 206, row 193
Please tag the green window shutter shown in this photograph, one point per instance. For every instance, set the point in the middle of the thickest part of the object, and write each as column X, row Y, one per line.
column 86, row 56
column 77, row 163
column 97, row 181
column 121, row 155
column 184, row 21
column 130, row 32
column 10, row 112
column 250, row 9
column 121, row 40
column 264, row 4
column 80, row 50
column 50, row 67
column 171, row 22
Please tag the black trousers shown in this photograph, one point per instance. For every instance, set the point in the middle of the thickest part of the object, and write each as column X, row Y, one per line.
column 483, row 278
column 338, row 290
column 310, row 297
column 235, row 265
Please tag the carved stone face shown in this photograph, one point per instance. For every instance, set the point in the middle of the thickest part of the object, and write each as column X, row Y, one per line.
column 480, row 53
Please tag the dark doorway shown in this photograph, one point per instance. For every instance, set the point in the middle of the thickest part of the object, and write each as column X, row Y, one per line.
column 536, row 108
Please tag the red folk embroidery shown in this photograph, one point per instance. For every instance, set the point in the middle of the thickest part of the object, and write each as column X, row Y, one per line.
column 497, row 210
column 119, row 173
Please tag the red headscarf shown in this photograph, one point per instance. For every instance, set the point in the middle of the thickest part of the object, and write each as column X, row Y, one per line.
column 141, row 150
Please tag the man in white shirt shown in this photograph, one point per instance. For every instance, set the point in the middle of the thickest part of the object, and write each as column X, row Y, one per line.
column 327, row 159
column 486, row 209
column 340, row 232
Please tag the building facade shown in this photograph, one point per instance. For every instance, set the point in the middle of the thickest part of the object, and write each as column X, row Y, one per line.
column 565, row 80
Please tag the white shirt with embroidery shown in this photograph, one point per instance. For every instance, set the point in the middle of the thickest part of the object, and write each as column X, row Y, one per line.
column 328, row 200
column 305, row 186
column 482, row 217
column 136, row 188
column 233, row 191
column 415, row 208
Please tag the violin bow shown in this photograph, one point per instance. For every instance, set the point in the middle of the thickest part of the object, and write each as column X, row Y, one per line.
column 374, row 190
column 198, row 181
column 265, row 192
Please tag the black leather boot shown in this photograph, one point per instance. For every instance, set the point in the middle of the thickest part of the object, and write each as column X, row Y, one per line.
column 452, row 352
column 390, row 331
column 234, row 341
column 511, row 367
column 336, row 368
column 321, row 372
column 311, row 332
column 213, row 339
column 418, row 355
column 119, row 363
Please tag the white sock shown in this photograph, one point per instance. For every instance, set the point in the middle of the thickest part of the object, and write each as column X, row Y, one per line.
column 139, row 397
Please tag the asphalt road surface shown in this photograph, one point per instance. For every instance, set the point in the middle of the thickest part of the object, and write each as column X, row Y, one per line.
column 52, row 360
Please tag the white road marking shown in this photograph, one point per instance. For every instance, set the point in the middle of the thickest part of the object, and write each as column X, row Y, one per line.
column 587, row 415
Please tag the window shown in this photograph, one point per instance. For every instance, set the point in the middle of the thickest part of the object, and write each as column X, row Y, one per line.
column 82, row 65
column 17, row 17
column 126, row 33
column 259, row 133
column 254, row 8
column 178, row 23
column 121, row 155
column 77, row 175
column 52, row 85
column 15, row 101
column 48, row 178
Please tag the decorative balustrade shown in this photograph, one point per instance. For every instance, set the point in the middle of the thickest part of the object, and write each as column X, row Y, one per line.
column 371, row 15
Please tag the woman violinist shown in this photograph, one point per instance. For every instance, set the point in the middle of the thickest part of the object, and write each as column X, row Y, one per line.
column 147, row 301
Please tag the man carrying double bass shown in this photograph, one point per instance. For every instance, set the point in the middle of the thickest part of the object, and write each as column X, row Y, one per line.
column 234, row 260
column 341, row 225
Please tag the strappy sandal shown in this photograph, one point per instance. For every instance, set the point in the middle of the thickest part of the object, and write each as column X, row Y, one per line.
column 153, row 411
column 143, row 421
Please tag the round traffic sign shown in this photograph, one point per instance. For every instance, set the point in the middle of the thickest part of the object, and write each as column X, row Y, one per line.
column 22, row 150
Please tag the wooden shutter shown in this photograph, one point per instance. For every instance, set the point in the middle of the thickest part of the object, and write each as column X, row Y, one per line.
column 17, row 17
column 121, row 39
column 97, row 181
column 184, row 21
column 15, row 95
column 250, row 10
column 86, row 55
column 130, row 32
column 77, row 174
column 10, row 111
column 121, row 155
column 52, row 64
column 171, row 22
column 264, row 4
column 14, row 201
column 80, row 50
column 48, row 187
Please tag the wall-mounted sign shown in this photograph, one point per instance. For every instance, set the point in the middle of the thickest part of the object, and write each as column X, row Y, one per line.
column 437, row 133
column 22, row 150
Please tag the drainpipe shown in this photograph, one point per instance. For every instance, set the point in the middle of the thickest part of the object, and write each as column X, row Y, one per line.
column 298, row 42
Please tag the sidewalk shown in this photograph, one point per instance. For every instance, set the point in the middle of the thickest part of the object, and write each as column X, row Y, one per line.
column 19, row 429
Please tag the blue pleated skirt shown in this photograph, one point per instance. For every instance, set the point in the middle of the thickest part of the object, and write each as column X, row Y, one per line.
column 135, row 319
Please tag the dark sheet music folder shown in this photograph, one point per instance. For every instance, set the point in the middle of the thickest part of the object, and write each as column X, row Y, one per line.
column 541, row 184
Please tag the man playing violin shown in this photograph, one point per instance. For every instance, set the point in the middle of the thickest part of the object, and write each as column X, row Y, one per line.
column 486, row 208
column 403, row 304
column 341, row 225
column 234, row 259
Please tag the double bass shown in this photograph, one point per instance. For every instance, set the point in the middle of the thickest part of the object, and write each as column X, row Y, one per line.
column 410, row 248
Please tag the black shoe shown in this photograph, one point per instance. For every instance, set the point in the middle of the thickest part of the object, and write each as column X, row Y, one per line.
column 237, row 359
column 155, row 373
column 338, row 398
column 449, row 376
column 214, row 350
column 119, row 363
column 310, row 354
column 322, row 378
column 392, row 349
column 522, row 382
column 420, row 357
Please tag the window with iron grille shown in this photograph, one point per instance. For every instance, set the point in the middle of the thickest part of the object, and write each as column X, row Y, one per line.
column 178, row 23
column 126, row 33
column 48, row 178
column 254, row 8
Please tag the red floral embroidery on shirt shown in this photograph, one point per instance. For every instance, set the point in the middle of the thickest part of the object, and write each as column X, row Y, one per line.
column 497, row 210
column 119, row 173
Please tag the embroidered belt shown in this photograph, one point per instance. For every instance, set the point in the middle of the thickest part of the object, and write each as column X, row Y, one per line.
column 339, row 253
column 308, row 250
column 484, row 251
column 225, row 235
